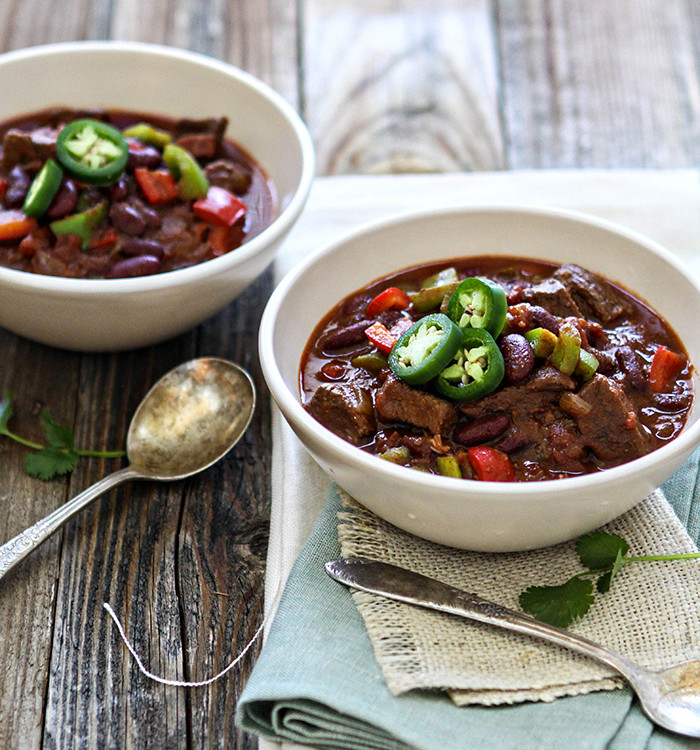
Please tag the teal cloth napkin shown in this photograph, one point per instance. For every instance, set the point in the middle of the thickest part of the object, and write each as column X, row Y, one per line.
column 317, row 683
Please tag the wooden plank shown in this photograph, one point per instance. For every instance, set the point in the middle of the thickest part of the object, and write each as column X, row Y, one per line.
column 39, row 378
column 223, row 540
column 598, row 83
column 119, row 551
column 401, row 87
column 259, row 36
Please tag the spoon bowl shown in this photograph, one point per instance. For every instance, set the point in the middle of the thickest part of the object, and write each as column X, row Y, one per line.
column 190, row 419
column 187, row 421
column 671, row 696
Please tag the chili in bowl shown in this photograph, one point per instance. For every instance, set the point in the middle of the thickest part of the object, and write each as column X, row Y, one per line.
column 549, row 351
column 112, row 194
column 498, row 369
column 131, row 213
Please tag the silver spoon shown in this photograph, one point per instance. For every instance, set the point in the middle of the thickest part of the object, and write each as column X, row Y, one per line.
column 670, row 697
column 188, row 420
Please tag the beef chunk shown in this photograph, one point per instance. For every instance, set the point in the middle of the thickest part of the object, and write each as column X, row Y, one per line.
column 202, row 138
column 611, row 429
column 398, row 402
column 345, row 409
column 227, row 175
column 28, row 149
column 593, row 299
column 553, row 296
column 542, row 390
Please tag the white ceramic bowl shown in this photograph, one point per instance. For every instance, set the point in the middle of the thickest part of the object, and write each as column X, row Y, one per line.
column 114, row 314
column 462, row 513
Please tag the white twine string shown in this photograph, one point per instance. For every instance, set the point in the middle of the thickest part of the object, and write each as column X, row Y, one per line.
column 182, row 683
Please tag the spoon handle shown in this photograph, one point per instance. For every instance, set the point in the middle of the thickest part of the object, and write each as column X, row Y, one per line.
column 28, row 540
column 406, row 586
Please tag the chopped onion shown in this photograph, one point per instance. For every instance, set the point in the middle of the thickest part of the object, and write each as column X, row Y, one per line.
column 574, row 405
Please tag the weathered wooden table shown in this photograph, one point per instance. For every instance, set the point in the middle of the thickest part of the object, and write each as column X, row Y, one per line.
column 384, row 86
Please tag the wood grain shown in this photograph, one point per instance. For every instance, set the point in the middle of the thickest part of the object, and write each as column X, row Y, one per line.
column 403, row 87
column 598, row 84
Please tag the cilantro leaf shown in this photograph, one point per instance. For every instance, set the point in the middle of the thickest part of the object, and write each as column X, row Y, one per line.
column 5, row 411
column 48, row 462
column 58, row 436
column 604, row 581
column 600, row 550
column 559, row 605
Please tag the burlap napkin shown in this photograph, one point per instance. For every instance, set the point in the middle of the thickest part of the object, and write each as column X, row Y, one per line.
column 651, row 613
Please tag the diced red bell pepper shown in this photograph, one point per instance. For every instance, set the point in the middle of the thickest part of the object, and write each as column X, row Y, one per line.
column 3, row 187
column 15, row 224
column 103, row 238
column 157, row 185
column 381, row 337
column 219, row 206
column 490, row 464
column 223, row 239
column 664, row 367
column 391, row 298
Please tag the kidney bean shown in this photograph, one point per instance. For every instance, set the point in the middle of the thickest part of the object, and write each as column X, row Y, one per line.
column 18, row 182
column 481, row 430
column 65, row 200
column 127, row 219
column 545, row 319
column 133, row 246
column 143, row 156
column 139, row 265
column 518, row 357
column 514, row 441
column 151, row 217
column 347, row 336
column 119, row 190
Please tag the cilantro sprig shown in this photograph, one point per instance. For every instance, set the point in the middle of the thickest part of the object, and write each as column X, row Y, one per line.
column 603, row 555
column 59, row 456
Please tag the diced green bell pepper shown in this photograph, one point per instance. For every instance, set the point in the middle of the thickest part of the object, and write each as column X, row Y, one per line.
column 371, row 362
column 448, row 466
column 542, row 341
column 565, row 355
column 43, row 189
column 399, row 455
column 586, row 366
column 148, row 134
column 192, row 183
column 82, row 224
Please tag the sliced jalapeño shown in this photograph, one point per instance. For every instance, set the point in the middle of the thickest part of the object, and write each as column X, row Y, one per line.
column 92, row 152
column 475, row 369
column 425, row 349
column 478, row 303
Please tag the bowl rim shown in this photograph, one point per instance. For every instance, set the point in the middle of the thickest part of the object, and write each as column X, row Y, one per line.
column 182, row 276
column 290, row 404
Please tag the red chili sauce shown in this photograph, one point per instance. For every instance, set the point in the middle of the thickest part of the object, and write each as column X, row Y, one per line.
column 145, row 221
column 538, row 423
